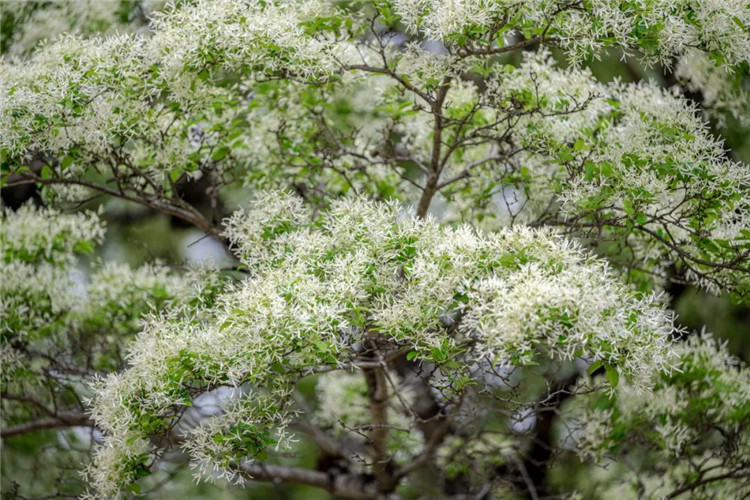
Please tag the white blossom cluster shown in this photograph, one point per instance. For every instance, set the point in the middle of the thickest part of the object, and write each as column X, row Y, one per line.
column 239, row 34
column 161, row 101
column 662, row 28
column 48, row 303
column 253, row 418
column 114, row 463
column 41, row 284
column 75, row 98
column 37, row 23
column 632, row 152
column 38, row 253
column 222, row 89
column 152, row 97
column 46, row 235
column 437, row 20
column 315, row 289
column 720, row 90
column 193, row 98
column 696, row 420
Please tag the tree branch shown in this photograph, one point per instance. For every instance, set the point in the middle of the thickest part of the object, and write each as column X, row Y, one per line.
column 60, row 422
column 377, row 388
column 430, row 187
column 340, row 485
column 551, row 40
column 697, row 484
column 190, row 215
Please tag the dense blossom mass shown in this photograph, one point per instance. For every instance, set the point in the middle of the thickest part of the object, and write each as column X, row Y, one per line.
column 361, row 272
column 50, row 308
column 454, row 241
column 635, row 161
column 704, row 400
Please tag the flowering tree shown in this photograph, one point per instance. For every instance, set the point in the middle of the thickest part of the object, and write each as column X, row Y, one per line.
column 457, row 242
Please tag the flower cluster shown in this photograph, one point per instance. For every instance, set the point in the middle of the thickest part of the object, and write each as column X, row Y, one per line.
column 317, row 288
column 35, row 23
column 159, row 99
column 70, row 321
column 193, row 98
column 722, row 91
column 661, row 29
column 695, row 421
column 39, row 251
column 248, row 426
column 48, row 236
column 636, row 164
column 45, row 294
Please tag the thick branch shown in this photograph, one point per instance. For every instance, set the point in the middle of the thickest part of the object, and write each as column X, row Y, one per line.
column 433, row 177
column 377, row 387
column 491, row 51
column 340, row 485
column 48, row 423
column 703, row 482
column 191, row 215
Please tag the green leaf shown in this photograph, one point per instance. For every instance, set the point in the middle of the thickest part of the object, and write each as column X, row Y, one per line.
column 142, row 472
column 66, row 161
column 627, row 206
column 437, row 354
column 83, row 246
column 160, row 292
column 412, row 355
column 132, row 439
column 613, row 376
column 594, row 366
column 220, row 153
